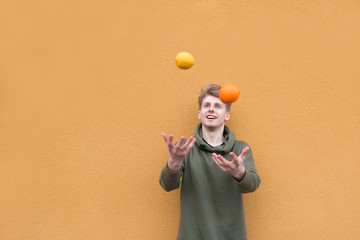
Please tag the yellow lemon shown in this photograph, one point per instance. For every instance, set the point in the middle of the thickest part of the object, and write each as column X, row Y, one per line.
column 184, row 60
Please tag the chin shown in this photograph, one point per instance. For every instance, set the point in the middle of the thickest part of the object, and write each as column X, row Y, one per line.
column 212, row 126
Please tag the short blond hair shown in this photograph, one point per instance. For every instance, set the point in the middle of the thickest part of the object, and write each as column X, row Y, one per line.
column 212, row 90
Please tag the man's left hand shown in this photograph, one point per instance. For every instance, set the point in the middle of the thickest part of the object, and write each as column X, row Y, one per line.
column 235, row 167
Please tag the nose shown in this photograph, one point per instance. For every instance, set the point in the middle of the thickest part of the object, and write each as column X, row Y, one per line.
column 211, row 108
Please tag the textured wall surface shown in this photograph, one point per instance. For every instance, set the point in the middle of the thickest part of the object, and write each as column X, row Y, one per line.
column 87, row 88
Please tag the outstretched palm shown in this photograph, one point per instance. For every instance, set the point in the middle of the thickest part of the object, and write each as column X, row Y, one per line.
column 178, row 152
column 235, row 167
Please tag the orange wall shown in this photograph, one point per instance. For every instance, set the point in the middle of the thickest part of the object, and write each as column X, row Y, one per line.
column 87, row 88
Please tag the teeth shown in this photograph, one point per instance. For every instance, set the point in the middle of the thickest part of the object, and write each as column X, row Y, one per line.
column 210, row 117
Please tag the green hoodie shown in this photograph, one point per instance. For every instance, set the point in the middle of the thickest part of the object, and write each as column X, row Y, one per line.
column 211, row 203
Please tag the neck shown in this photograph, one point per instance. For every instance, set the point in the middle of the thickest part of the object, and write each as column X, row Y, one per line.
column 214, row 137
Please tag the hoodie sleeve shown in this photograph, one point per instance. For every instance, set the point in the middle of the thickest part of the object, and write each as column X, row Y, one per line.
column 251, row 180
column 170, row 180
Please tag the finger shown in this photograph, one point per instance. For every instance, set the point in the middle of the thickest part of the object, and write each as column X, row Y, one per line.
column 180, row 143
column 192, row 141
column 170, row 139
column 219, row 163
column 170, row 142
column 165, row 136
column 234, row 158
column 215, row 159
column 187, row 143
column 213, row 156
column 223, row 162
column 244, row 151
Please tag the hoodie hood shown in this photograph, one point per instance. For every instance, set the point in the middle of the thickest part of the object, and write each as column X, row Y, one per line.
column 229, row 141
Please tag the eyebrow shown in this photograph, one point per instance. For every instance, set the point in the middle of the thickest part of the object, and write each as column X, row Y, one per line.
column 210, row 103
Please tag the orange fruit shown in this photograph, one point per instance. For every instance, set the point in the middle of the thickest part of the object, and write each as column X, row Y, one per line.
column 229, row 93
column 184, row 60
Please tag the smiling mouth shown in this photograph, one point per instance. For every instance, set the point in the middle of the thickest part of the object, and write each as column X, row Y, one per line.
column 210, row 117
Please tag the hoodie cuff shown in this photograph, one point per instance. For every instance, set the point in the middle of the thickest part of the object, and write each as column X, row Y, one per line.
column 245, row 179
column 239, row 180
column 168, row 174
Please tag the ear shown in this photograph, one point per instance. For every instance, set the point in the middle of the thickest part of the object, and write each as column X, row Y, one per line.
column 199, row 115
column 227, row 116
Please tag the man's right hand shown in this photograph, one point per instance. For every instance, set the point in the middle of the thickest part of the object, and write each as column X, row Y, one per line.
column 177, row 153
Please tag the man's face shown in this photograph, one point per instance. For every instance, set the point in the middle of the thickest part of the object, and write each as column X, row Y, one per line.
column 213, row 113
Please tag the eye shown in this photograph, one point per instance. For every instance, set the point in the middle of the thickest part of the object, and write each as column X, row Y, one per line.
column 218, row 106
column 206, row 105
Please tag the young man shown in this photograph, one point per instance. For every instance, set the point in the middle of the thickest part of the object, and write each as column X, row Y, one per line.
column 216, row 170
